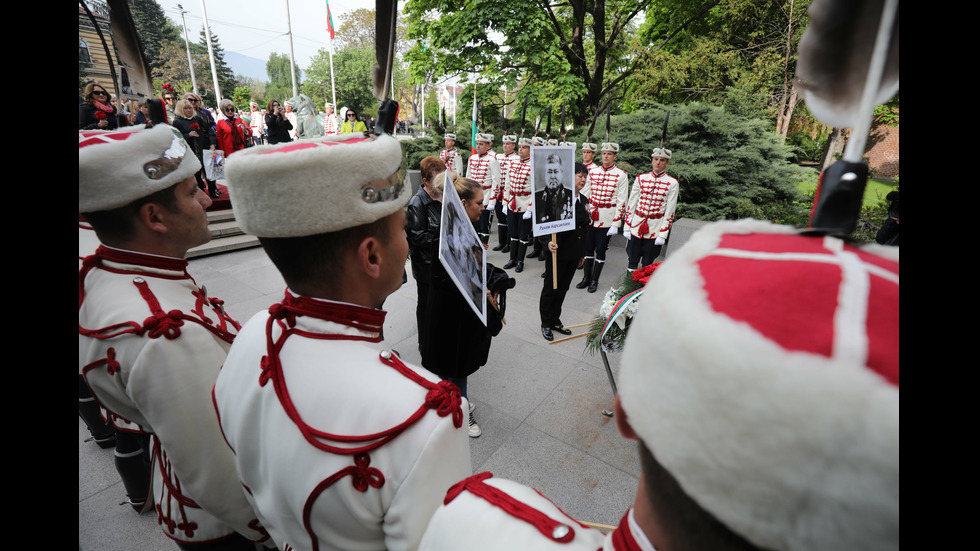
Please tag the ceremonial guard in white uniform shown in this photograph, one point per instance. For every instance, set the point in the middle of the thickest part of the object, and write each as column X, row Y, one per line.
column 607, row 188
column 451, row 156
column 508, row 156
column 517, row 197
column 650, row 211
column 588, row 154
column 484, row 169
column 340, row 444
column 330, row 124
column 150, row 340
column 814, row 419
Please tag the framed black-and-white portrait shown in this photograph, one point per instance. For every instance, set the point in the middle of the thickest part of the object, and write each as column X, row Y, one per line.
column 553, row 185
column 462, row 253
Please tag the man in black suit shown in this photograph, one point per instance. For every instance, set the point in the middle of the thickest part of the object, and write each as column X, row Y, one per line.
column 570, row 247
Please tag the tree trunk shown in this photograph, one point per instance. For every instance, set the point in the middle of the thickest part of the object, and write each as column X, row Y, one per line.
column 833, row 149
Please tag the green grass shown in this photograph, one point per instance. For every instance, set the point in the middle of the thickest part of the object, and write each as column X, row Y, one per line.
column 874, row 192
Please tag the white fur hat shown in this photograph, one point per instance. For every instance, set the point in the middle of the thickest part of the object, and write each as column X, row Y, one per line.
column 552, row 141
column 509, row 138
column 609, row 146
column 117, row 167
column 484, row 138
column 450, row 136
column 589, row 146
column 538, row 140
column 660, row 152
column 572, row 144
column 761, row 370
column 317, row 185
column 525, row 141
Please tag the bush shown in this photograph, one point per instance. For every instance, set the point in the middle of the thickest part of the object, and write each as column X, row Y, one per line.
column 729, row 166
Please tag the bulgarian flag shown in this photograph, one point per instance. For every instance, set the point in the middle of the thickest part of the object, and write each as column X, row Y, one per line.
column 475, row 129
column 330, row 21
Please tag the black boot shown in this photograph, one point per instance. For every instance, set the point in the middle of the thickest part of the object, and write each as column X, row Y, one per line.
column 536, row 250
column 88, row 409
column 135, row 474
column 521, row 249
column 513, row 255
column 596, row 271
column 586, row 274
column 503, row 246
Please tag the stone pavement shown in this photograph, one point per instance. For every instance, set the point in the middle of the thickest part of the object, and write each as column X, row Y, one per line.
column 539, row 404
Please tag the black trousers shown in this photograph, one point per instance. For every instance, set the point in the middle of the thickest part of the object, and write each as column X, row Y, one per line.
column 517, row 227
column 645, row 249
column 596, row 243
column 552, row 299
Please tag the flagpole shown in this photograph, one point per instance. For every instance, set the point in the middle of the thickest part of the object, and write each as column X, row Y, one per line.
column 333, row 88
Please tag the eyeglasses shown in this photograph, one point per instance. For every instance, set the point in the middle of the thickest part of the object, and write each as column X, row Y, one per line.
column 99, row 93
column 192, row 100
column 351, row 114
column 167, row 98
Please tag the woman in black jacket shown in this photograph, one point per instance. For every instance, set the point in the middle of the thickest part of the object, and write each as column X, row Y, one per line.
column 198, row 134
column 96, row 112
column 277, row 124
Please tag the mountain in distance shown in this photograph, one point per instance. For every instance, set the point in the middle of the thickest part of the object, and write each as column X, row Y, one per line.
column 246, row 66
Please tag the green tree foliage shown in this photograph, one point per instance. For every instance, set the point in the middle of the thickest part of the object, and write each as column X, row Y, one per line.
column 226, row 77
column 241, row 96
column 172, row 68
column 352, row 79
column 729, row 166
column 737, row 53
column 574, row 51
column 153, row 28
column 280, row 84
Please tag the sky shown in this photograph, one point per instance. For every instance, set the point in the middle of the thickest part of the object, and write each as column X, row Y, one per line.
column 256, row 28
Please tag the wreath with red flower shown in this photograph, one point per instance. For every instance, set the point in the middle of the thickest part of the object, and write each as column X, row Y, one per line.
column 609, row 329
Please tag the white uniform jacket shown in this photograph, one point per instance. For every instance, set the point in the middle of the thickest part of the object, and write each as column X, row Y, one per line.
column 651, row 206
column 257, row 123
column 607, row 190
column 330, row 124
column 340, row 446
column 485, row 170
column 504, row 161
column 518, row 192
column 483, row 513
column 150, row 344
column 453, row 160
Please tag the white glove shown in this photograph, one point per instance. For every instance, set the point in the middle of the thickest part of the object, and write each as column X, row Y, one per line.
column 491, row 204
column 659, row 241
column 527, row 215
column 612, row 231
column 505, row 208
column 627, row 235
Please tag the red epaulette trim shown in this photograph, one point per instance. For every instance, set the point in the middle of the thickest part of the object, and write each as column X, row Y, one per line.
column 443, row 397
column 549, row 527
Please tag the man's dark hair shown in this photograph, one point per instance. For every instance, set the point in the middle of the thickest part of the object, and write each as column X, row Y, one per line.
column 685, row 523
column 580, row 169
column 116, row 225
column 315, row 259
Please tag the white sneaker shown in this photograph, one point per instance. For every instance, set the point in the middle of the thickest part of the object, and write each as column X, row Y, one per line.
column 474, row 428
column 472, row 406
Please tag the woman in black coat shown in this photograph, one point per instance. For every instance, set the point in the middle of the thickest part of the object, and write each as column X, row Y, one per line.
column 96, row 112
column 277, row 124
column 454, row 342
column 198, row 134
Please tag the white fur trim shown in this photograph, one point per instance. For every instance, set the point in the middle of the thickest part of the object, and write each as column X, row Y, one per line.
column 312, row 186
column 588, row 146
column 116, row 167
column 484, row 138
column 509, row 138
column 609, row 146
column 537, row 140
column 792, row 450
